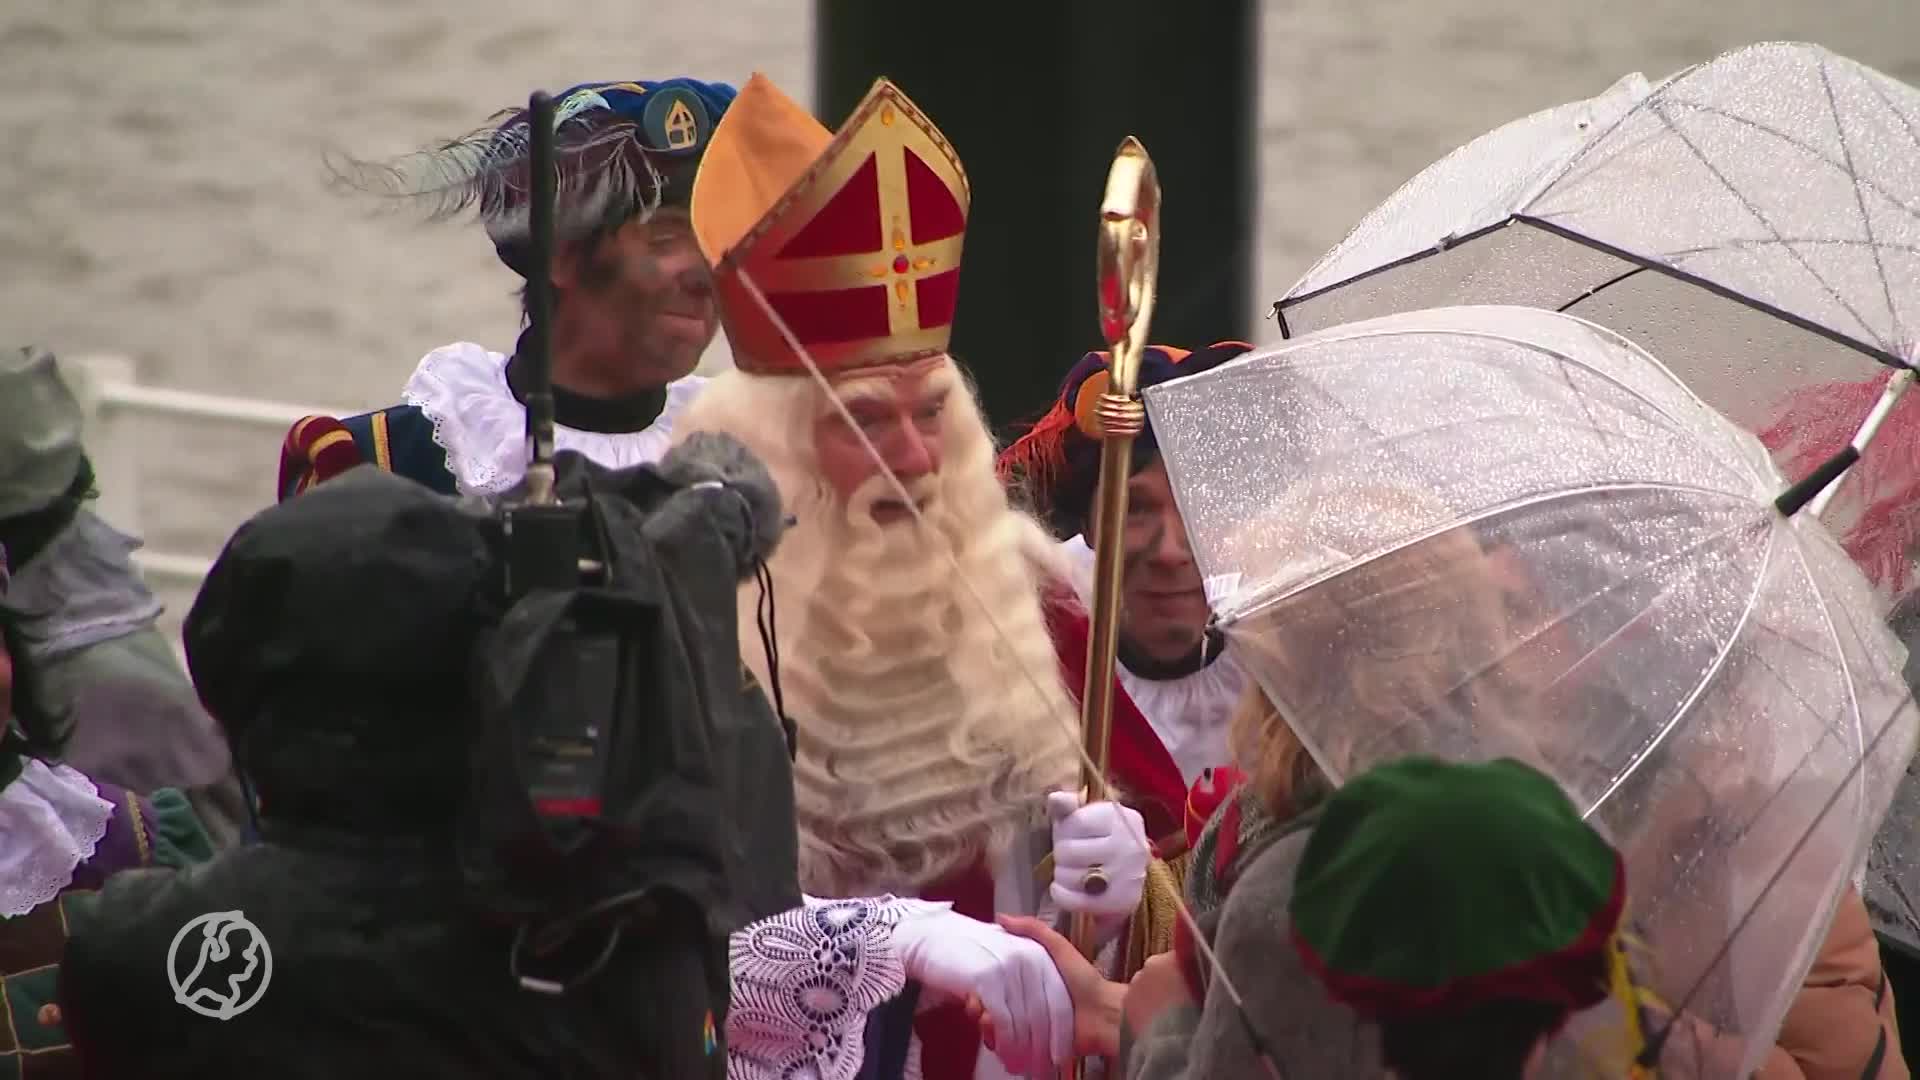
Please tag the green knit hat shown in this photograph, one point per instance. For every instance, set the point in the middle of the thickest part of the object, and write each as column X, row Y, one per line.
column 1428, row 886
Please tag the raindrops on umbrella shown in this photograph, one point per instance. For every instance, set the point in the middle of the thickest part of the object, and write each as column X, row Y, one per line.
column 1753, row 221
column 1499, row 531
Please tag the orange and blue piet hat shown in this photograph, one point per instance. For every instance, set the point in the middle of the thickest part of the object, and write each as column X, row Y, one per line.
column 1056, row 464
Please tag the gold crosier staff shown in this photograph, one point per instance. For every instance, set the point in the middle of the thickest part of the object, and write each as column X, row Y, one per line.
column 1129, row 270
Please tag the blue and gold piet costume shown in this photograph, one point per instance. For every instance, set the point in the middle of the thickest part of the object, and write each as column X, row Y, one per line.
column 320, row 447
column 623, row 150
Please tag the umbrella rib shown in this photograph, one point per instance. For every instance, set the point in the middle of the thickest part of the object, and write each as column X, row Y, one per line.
column 1259, row 603
column 1787, row 686
column 1906, row 121
column 1253, row 606
column 1761, row 625
column 1684, row 876
column 1860, row 760
column 1560, row 360
column 1546, row 178
column 1740, row 830
column 1808, row 241
column 1591, row 427
column 1594, row 597
column 1624, row 627
column 1583, row 153
column 1719, row 659
column 1827, row 732
column 1805, row 147
column 1713, row 169
column 1780, row 871
column 1571, row 176
column 1825, row 609
column 1566, row 375
column 1680, row 423
column 1600, row 288
column 1789, row 689
column 1860, row 198
column 1790, row 639
column 1837, row 661
column 1872, row 348
column 1437, row 247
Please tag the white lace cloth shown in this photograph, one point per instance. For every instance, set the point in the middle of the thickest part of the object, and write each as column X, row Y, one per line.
column 51, row 819
column 803, row 983
column 1189, row 713
column 463, row 389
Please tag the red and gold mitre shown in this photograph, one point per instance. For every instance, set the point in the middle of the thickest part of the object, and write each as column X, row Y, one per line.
column 853, row 238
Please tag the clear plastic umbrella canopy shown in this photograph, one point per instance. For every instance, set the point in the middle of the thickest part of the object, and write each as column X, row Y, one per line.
column 1500, row 531
column 1753, row 221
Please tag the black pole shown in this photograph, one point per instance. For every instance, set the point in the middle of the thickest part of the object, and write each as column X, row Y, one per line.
column 544, row 541
column 1036, row 97
column 536, row 359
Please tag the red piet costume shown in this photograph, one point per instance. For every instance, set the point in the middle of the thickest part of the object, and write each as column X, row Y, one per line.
column 1814, row 423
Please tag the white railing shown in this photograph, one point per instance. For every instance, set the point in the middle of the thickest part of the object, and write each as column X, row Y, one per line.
column 110, row 394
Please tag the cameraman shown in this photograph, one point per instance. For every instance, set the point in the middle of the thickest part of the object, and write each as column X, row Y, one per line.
column 333, row 641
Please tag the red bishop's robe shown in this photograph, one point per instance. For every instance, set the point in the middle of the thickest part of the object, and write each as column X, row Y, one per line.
column 1146, row 779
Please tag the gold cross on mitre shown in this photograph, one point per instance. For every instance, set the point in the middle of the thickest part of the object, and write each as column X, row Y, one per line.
column 935, row 247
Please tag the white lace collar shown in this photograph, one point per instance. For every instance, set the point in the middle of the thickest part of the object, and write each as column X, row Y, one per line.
column 51, row 819
column 462, row 388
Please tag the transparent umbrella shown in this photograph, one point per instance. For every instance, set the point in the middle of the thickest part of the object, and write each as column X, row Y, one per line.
column 1753, row 221
column 1501, row 531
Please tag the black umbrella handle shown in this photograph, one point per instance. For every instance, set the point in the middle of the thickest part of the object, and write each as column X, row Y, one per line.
column 1792, row 500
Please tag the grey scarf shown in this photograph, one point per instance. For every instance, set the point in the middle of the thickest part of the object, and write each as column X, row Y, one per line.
column 81, row 589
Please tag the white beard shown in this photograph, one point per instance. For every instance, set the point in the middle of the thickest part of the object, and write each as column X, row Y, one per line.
column 932, row 717
column 922, row 747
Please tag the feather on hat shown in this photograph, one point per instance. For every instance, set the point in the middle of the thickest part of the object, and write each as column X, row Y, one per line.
column 623, row 150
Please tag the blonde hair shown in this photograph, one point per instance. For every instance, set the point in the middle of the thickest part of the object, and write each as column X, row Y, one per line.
column 1279, row 769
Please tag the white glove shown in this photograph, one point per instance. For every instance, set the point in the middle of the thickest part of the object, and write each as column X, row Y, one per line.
column 1104, row 834
column 1014, row 978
